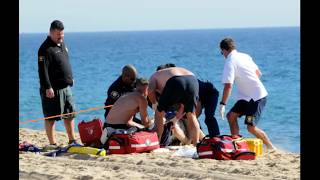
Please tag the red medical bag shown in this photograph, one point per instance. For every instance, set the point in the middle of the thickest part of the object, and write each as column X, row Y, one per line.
column 136, row 142
column 224, row 147
column 90, row 132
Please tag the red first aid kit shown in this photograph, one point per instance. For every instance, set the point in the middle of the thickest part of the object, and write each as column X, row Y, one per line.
column 224, row 147
column 90, row 132
column 137, row 142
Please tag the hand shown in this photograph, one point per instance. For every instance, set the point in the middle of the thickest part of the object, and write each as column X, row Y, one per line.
column 222, row 110
column 50, row 93
column 180, row 115
column 173, row 120
column 150, row 123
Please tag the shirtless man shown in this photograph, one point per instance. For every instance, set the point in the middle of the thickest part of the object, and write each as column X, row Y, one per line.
column 122, row 112
column 175, row 85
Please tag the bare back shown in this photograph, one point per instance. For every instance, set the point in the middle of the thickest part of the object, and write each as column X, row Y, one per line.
column 158, row 79
column 126, row 107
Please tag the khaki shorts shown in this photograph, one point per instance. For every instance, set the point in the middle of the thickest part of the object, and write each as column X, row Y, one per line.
column 62, row 103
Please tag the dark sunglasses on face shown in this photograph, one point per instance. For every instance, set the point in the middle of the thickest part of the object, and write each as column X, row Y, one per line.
column 221, row 52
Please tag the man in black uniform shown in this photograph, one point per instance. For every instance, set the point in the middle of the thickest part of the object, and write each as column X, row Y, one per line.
column 56, row 78
column 125, row 83
column 208, row 99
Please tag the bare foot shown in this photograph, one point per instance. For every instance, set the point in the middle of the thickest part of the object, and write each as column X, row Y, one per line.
column 272, row 149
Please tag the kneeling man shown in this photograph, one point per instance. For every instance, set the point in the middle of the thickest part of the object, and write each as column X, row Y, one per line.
column 122, row 112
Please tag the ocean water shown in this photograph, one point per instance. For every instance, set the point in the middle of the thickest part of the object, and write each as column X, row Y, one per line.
column 97, row 59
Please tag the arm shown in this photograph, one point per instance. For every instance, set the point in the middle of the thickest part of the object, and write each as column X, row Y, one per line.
column 228, row 77
column 159, row 122
column 152, row 97
column 132, row 123
column 43, row 66
column 152, row 92
column 144, row 113
column 226, row 92
column 198, row 109
column 112, row 96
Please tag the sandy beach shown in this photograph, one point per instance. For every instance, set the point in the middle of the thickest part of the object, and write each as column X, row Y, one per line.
column 154, row 165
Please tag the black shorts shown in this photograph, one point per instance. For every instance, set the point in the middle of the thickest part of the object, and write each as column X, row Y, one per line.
column 116, row 126
column 179, row 89
column 252, row 110
column 61, row 103
column 119, row 129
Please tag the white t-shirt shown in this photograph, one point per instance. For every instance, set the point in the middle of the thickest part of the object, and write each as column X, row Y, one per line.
column 239, row 67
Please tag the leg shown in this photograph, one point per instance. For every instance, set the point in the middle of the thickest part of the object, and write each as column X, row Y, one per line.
column 212, row 124
column 68, row 106
column 201, row 135
column 210, row 120
column 233, row 122
column 159, row 123
column 259, row 133
column 209, row 110
column 257, row 107
column 69, row 125
column 180, row 132
column 193, row 127
column 49, row 126
column 166, row 137
column 50, row 107
column 185, row 124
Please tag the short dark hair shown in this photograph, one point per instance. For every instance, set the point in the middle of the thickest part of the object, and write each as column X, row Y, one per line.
column 129, row 68
column 227, row 44
column 56, row 24
column 164, row 66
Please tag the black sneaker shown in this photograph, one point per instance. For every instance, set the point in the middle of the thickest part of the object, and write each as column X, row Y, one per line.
column 73, row 143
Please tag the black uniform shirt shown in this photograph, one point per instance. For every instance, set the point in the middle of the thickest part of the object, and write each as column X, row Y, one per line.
column 53, row 65
column 117, row 89
column 206, row 91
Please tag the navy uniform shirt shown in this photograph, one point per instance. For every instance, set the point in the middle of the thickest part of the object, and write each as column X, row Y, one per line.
column 117, row 89
column 53, row 65
column 206, row 90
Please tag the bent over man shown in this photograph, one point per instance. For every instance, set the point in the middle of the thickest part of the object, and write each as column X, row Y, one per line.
column 176, row 85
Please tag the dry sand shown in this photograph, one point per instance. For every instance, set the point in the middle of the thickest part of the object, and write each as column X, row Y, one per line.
column 154, row 165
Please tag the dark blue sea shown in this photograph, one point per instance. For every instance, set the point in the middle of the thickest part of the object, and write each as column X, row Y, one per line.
column 97, row 59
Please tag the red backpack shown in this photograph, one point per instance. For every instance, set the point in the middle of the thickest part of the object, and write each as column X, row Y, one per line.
column 224, row 147
column 90, row 132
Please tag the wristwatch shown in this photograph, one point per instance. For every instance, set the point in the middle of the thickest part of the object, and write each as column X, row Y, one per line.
column 222, row 103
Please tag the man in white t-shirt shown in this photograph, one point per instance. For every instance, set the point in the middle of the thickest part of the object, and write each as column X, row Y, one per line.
column 251, row 94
